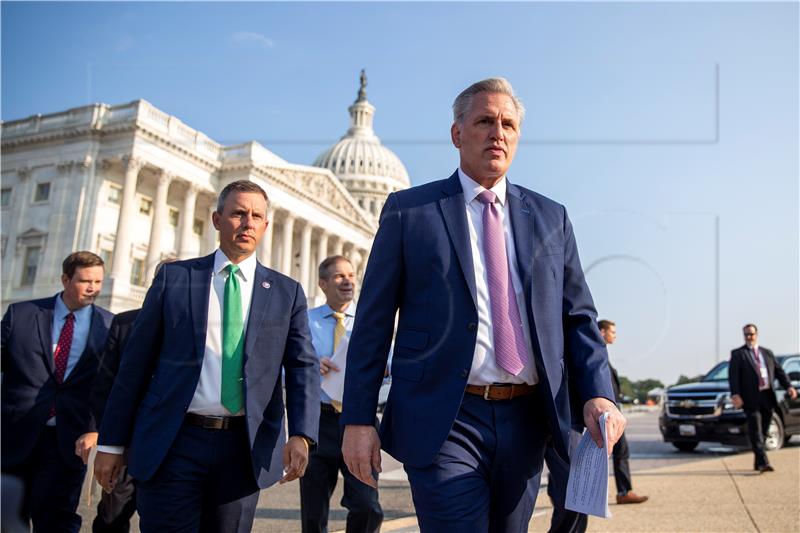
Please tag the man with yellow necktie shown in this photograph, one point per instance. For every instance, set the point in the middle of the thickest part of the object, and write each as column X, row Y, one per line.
column 330, row 323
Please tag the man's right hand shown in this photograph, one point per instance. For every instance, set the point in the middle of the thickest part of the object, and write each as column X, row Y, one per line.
column 326, row 365
column 361, row 448
column 107, row 468
column 737, row 401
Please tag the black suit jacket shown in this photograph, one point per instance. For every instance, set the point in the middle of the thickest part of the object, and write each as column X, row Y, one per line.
column 615, row 384
column 743, row 375
column 29, row 383
column 109, row 362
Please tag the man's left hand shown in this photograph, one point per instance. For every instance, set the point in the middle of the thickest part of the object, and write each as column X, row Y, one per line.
column 295, row 458
column 792, row 393
column 84, row 445
column 615, row 422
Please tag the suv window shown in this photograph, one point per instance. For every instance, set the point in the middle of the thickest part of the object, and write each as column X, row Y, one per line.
column 792, row 366
column 718, row 373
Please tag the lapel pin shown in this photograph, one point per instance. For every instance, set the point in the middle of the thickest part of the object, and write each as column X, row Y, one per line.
column 266, row 284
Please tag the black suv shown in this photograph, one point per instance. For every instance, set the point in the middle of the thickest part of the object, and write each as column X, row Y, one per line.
column 703, row 411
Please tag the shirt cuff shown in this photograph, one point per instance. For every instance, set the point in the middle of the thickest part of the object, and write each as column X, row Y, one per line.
column 116, row 450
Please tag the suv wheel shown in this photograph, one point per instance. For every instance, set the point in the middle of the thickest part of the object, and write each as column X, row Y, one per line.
column 685, row 446
column 775, row 434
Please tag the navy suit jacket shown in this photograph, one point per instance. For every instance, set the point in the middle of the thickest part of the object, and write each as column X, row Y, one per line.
column 162, row 360
column 421, row 264
column 743, row 375
column 29, row 383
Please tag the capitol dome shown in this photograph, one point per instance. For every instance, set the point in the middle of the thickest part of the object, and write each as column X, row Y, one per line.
column 368, row 170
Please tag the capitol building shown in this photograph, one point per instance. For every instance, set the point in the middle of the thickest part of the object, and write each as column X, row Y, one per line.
column 136, row 186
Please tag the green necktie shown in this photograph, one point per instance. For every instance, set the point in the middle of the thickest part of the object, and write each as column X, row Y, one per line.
column 232, row 343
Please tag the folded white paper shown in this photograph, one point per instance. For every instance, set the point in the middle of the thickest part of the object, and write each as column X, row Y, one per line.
column 333, row 382
column 587, row 488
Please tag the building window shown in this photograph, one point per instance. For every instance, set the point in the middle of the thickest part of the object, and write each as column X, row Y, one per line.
column 30, row 265
column 42, row 193
column 174, row 216
column 114, row 194
column 107, row 256
column 145, row 205
column 198, row 226
column 137, row 272
column 5, row 197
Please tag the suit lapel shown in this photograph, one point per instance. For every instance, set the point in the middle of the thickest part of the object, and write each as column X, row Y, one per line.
column 259, row 305
column 455, row 219
column 521, row 216
column 200, row 279
column 94, row 343
column 44, row 326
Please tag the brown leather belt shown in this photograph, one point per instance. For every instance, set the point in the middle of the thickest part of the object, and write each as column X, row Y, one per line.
column 501, row 391
column 214, row 422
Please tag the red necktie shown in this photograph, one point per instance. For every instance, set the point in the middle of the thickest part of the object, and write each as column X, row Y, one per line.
column 761, row 381
column 61, row 354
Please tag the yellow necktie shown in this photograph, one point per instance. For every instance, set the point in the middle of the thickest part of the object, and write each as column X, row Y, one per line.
column 338, row 333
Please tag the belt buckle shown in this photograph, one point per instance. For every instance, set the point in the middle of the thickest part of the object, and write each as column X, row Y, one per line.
column 486, row 392
column 213, row 422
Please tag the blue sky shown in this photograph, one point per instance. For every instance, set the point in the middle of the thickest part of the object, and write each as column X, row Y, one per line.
column 651, row 122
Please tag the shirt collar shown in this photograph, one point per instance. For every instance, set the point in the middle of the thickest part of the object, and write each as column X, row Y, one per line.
column 61, row 310
column 247, row 268
column 472, row 188
column 350, row 311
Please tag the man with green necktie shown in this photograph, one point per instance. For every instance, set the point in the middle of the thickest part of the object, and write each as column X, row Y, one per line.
column 198, row 402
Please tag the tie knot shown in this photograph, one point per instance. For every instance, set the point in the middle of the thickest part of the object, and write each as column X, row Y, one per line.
column 232, row 269
column 339, row 316
column 487, row 197
column 70, row 316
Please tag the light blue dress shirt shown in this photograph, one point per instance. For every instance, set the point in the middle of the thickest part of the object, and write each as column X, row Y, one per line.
column 322, row 323
column 80, row 334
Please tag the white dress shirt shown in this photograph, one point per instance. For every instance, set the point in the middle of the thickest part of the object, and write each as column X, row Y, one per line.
column 208, row 394
column 484, row 369
column 80, row 334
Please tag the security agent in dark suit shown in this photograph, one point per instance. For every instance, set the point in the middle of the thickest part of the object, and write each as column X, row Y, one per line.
column 198, row 401
column 493, row 310
column 751, row 373
column 50, row 352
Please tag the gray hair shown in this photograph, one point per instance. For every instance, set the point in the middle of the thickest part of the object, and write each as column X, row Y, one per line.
column 489, row 85
column 325, row 266
column 239, row 186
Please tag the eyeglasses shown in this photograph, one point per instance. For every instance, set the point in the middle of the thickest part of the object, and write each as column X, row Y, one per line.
column 749, row 334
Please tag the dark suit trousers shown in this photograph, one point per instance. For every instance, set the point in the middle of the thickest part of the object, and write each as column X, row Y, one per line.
column 115, row 509
column 622, row 469
column 205, row 483
column 52, row 487
column 563, row 520
column 317, row 485
column 758, row 421
column 486, row 475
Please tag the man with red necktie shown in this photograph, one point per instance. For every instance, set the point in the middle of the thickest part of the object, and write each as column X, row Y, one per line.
column 751, row 373
column 51, row 349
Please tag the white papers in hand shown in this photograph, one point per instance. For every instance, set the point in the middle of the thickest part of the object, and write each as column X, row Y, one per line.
column 333, row 382
column 587, row 488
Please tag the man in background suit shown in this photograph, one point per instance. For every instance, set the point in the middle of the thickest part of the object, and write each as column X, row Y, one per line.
column 751, row 373
column 622, row 468
column 494, row 314
column 198, row 400
column 50, row 352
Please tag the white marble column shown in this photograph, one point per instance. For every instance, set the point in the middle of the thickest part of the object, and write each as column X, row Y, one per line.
column 305, row 257
column 338, row 249
column 265, row 250
column 286, row 249
column 322, row 254
column 187, row 221
column 157, row 226
column 211, row 232
column 121, row 263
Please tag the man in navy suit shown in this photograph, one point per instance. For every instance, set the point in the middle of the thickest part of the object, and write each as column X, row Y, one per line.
column 51, row 348
column 494, row 313
column 198, row 402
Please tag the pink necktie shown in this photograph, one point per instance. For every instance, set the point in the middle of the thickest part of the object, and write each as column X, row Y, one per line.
column 509, row 343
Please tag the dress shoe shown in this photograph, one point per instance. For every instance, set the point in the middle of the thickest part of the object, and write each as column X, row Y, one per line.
column 765, row 468
column 630, row 497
